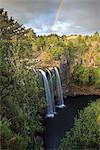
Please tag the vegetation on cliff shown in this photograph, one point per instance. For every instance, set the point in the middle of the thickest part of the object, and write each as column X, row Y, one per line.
column 82, row 57
column 22, row 100
column 85, row 133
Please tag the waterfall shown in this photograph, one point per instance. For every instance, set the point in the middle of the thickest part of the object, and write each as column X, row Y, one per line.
column 60, row 103
column 49, row 91
column 48, row 95
column 52, row 91
column 35, row 72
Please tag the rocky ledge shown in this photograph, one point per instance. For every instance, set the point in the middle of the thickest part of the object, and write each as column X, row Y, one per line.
column 74, row 90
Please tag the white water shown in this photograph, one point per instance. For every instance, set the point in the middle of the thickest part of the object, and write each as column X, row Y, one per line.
column 50, row 112
column 52, row 91
column 35, row 72
column 60, row 101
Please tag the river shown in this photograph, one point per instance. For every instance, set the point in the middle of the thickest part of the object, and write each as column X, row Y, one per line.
column 63, row 121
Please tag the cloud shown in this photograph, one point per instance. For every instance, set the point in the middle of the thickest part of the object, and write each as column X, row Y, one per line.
column 75, row 16
column 61, row 26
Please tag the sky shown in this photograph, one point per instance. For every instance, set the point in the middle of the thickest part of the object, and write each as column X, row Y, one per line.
column 56, row 16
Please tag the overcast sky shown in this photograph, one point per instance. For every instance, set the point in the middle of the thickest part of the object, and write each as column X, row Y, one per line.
column 56, row 16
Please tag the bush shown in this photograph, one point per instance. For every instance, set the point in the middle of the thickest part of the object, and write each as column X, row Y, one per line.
column 81, row 75
column 97, row 77
column 10, row 140
column 86, row 131
column 97, row 83
column 22, row 107
column 86, row 76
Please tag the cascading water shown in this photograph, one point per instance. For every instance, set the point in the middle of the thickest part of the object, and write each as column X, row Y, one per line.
column 50, row 112
column 35, row 72
column 52, row 92
column 60, row 102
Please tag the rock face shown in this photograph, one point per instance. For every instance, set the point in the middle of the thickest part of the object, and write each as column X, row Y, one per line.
column 65, row 72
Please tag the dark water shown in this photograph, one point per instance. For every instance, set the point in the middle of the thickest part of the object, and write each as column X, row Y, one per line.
column 63, row 120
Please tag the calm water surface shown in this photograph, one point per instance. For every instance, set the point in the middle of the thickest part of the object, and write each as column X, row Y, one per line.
column 63, row 120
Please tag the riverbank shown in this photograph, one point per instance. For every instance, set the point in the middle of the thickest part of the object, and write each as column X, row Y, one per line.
column 63, row 121
column 75, row 90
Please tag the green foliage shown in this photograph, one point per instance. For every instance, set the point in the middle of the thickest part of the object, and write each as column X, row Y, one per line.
column 97, row 83
column 22, row 103
column 5, row 129
column 85, row 133
column 81, row 75
column 94, row 76
column 71, row 49
column 96, row 36
column 10, row 140
column 21, row 96
column 54, row 46
column 97, row 77
column 40, row 43
column 86, row 76
column 56, row 53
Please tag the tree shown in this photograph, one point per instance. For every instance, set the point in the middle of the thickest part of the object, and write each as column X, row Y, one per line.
column 85, row 133
column 21, row 102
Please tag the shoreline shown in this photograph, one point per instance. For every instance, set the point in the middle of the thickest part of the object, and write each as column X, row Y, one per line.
column 75, row 90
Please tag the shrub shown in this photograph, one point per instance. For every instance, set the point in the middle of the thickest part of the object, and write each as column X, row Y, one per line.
column 10, row 140
column 22, row 104
column 85, row 133
column 81, row 75
column 97, row 77
column 97, row 83
column 86, row 76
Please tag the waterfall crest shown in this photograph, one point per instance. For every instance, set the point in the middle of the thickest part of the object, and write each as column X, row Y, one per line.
column 50, row 112
column 60, row 102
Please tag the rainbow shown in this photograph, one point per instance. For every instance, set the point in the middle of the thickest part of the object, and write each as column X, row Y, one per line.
column 58, row 10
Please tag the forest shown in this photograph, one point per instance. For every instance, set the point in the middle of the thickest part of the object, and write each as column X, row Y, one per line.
column 23, row 103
